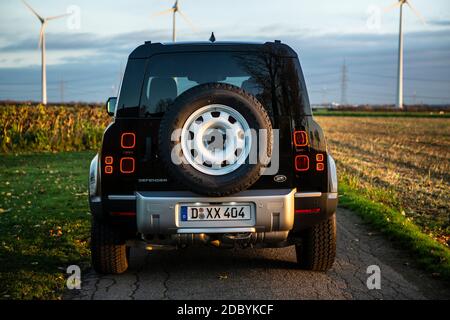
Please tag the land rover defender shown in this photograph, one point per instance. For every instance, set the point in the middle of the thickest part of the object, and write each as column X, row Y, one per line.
column 212, row 144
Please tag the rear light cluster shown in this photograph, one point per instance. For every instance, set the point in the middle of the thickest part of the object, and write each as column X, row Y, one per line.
column 302, row 161
column 320, row 166
column 109, row 164
column 126, row 164
column 305, row 160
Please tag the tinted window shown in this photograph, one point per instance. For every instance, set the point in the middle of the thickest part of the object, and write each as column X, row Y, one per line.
column 130, row 91
column 277, row 82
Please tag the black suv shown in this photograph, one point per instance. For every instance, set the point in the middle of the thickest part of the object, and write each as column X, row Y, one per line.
column 212, row 144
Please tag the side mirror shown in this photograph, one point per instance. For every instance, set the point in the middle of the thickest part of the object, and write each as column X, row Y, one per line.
column 111, row 105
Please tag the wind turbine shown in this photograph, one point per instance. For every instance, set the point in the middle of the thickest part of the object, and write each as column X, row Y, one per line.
column 174, row 10
column 400, row 4
column 44, row 22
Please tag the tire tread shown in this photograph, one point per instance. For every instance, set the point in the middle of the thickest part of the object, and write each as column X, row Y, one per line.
column 108, row 249
column 318, row 249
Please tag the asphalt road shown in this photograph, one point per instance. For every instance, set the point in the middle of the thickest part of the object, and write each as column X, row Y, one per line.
column 208, row 273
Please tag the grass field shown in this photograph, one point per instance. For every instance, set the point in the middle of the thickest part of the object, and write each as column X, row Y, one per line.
column 393, row 172
column 403, row 163
column 44, row 222
column 383, row 114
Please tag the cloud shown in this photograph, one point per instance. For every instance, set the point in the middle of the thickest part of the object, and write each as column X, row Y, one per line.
column 91, row 45
column 439, row 23
column 84, row 41
column 98, row 58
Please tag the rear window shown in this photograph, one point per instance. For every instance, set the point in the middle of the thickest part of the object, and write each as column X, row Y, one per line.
column 277, row 82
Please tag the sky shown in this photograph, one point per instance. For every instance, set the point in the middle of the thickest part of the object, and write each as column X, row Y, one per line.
column 87, row 52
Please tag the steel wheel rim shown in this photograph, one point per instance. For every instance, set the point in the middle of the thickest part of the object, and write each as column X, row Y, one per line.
column 216, row 139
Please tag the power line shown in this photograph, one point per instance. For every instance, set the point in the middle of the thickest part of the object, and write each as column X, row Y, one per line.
column 375, row 76
column 57, row 82
column 321, row 83
column 374, row 95
column 344, row 84
column 322, row 74
column 394, row 77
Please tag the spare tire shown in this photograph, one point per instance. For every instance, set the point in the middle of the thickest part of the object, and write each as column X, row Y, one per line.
column 206, row 139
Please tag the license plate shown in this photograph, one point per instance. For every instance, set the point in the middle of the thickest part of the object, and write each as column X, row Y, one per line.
column 215, row 213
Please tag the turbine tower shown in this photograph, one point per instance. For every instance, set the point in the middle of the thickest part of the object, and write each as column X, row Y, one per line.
column 174, row 10
column 44, row 22
column 400, row 4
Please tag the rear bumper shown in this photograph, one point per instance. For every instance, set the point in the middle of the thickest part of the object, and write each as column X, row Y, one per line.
column 159, row 212
column 305, row 216
column 284, row 210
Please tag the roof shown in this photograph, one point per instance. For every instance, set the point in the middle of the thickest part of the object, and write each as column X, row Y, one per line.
column 148, row 48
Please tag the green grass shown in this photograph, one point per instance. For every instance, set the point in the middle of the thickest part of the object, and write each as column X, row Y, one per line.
column 380, row 208
column 382, row 114
column 44, row 222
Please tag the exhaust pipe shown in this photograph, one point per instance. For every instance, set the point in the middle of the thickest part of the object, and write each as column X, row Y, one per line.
column 228, row 240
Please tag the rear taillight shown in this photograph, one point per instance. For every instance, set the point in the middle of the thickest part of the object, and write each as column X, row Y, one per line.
column 127, row 165
column 109, row 160
column 300, row 138
column 320, row 166
column 108, row 164
column 128, row 140
column 301, row 163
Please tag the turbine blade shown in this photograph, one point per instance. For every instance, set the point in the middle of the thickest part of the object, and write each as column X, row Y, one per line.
column 189, row 22
column 59, row 16
column 32, row 10
column 162, row 13
column 175, row 5
column 416, row 12
column 392, row 6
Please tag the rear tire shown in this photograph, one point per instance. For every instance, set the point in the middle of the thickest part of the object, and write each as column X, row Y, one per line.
column 109, row 253
column 317, row 251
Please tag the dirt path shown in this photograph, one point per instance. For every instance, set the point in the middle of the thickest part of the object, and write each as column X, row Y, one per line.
column 207, row 273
